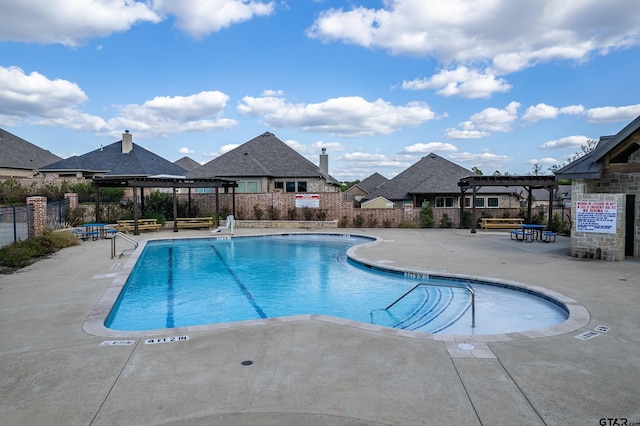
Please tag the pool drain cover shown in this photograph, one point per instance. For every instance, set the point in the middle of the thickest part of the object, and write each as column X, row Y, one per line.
column 466, row 346
column 248, row 362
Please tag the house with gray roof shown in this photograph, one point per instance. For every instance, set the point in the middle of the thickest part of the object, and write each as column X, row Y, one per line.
column 605, row 197
column 368, row 184
column 187, row 163
column 266, row 164
column 435, row 180
column 119, row 159
column 20, row 158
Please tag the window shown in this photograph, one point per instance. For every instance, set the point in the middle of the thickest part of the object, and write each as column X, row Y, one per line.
column 251, row 186
column 444, row 201
column 302, row 186
column 479, row 202
column 278, row 185
column 291, row 186
column 492, row 201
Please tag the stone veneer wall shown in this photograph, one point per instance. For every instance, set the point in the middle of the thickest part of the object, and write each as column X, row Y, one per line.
column 610, row 188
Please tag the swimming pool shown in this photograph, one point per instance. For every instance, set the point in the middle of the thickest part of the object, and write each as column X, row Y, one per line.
column 189, row 282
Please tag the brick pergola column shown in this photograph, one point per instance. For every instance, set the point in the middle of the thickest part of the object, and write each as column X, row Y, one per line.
column 39, row 214
column 73, row 199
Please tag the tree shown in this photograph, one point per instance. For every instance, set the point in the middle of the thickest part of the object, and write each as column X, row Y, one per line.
column 476, row 170
column 537, row 170
column 584, row 150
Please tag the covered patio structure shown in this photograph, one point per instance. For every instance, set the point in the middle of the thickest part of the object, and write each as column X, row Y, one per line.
column 137, row 184
column 529, row 183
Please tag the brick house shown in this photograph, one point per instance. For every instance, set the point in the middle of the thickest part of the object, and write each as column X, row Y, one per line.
column 265, row 164
column 21, row 159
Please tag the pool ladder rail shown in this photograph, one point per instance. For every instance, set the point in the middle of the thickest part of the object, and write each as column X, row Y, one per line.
column 124, row 237
column 463, row 287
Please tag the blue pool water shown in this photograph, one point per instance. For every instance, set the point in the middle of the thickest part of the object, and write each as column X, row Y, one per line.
column 178, row 283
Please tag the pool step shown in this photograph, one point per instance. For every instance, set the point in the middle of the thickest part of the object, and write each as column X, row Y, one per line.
column 429, row 310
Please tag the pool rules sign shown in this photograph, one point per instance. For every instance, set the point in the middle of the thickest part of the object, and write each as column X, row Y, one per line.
column 596, row 216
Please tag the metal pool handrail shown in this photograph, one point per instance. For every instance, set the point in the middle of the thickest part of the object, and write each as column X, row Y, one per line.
column 124, row 237
column 464, row 287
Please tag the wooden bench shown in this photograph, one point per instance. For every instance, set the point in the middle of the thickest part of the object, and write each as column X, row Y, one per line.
column 194, row 222
column 501, row 222
column 143, row 224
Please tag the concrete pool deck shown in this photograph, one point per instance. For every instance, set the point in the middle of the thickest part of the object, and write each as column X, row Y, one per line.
column 315, row 372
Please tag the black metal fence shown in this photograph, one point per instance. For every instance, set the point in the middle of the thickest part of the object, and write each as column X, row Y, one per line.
column 16, row 223
column 56, row 213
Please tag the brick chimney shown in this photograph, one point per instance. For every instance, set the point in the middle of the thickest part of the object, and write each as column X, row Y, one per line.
column 127, row 142
column 324, row 162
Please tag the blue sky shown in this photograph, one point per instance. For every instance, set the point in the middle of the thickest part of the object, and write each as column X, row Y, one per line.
column 494, row 84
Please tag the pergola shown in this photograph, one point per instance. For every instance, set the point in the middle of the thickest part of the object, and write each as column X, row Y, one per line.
column 164, row 182
column 528, row 182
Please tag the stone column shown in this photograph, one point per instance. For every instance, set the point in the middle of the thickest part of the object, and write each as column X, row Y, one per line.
column 39, row 214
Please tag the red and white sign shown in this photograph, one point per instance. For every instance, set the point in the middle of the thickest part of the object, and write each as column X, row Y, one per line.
column 307, row 200
column 596, row 216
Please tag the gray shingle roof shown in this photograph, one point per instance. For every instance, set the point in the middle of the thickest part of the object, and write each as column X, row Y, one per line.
column 111, row 161
column 187, row 163
column 372, row 182
column 264, row 155
column 431, row 175
column 590, row 165
column 17, row 153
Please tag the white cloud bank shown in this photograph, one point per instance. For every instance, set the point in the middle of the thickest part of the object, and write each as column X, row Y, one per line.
column 72, row 22
column 349, row 116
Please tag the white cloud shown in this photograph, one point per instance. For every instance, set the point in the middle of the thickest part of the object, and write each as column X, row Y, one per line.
column 36, row 95
column 223, row 149
column 462, row 82
column 481, row 160
column 200, row 18
column 611, row 114
column 543, row 111
column 70, row 22
column 39, row 100
column 482, row 123
column 362, row 156
column 452, row 133
column 426, row 148
column 345, row 116
column 569, row 142
column 511, row 35
column 542, row 161
column 314, row 148
column 495, row 119
column 186, row 151
column 164, row 115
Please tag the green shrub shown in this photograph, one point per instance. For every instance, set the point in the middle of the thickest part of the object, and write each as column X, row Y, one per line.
column 22, row 253
column 274, row 213
column 343, row 222
column 426, row 215
column 358, row 221
column 308, row 213
column 292, row 213
column 258, row 212
column 321, row 214
column 445, row 221
column 407, row 224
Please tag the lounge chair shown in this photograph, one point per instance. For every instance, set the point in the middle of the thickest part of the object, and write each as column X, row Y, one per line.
column 229, row 224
